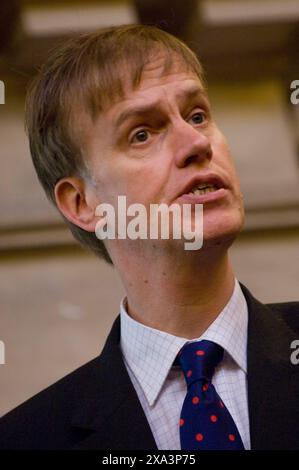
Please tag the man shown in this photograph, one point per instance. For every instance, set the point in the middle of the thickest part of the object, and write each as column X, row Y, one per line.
column 124, row 111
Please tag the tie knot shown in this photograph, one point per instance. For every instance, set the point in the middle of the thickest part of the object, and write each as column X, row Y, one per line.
column 198, row 360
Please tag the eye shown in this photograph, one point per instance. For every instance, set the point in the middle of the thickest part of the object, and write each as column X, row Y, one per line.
column 140, row 136
column 198, row 118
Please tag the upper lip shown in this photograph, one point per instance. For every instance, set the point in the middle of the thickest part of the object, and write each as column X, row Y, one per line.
column 204, row 178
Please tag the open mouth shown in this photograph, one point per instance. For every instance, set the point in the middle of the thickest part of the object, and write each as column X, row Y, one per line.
column 204, row 189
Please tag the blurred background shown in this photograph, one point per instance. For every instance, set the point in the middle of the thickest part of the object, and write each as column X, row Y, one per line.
column 57, row 302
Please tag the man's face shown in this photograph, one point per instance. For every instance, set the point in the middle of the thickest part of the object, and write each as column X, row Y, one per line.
column 158, row 143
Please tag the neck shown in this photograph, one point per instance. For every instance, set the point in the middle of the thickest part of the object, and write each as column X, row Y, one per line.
column 180, row 297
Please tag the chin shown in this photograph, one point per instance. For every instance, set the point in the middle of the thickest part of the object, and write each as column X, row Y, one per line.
column 222, row 231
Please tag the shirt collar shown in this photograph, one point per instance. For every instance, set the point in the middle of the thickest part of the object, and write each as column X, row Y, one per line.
column 146, row 349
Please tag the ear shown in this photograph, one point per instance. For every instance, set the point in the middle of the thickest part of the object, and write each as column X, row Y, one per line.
column 77, row 202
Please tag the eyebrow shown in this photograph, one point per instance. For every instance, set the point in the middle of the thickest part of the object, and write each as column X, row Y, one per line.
column 133, row 111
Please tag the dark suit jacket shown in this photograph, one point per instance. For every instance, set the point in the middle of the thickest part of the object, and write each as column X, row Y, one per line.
column 96, row 406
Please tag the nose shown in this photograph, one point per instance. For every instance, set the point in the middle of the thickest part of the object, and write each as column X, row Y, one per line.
column 190, row 144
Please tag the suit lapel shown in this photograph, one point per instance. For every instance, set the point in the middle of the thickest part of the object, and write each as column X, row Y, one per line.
column 273, row 386
column 110, row 415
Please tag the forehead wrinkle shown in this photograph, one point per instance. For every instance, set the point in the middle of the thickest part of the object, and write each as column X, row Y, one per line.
column 181, row 95
column 136, row 110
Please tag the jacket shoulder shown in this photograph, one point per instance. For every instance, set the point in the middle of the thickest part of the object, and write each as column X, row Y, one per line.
column 51, row 419
column 289, row 313
column 45, row 419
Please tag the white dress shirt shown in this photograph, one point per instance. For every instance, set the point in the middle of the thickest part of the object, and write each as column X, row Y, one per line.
column 161, row 387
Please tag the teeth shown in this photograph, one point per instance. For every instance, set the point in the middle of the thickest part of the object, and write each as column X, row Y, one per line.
column 203, row 189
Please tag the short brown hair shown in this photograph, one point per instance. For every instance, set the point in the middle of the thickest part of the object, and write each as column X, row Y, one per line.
column 88, row 71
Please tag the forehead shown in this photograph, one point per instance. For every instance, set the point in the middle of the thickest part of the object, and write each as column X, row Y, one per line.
column 158, row 71
column 156, row 81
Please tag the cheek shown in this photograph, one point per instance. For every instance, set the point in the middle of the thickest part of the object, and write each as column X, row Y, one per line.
column 140, row 177
column 231, row 167
column 146, row 180
column 224, row 157
column 221, row 148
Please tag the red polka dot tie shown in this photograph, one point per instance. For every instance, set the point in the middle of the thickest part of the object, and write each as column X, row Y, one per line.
column 205, row 422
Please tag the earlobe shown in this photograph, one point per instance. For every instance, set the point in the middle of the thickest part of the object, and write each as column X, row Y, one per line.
column 71, row 199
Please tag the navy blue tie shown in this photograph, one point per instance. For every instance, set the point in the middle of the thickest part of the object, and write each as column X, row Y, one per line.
column 205, row 422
